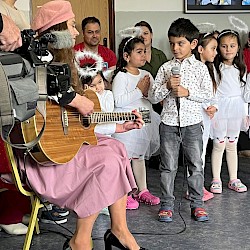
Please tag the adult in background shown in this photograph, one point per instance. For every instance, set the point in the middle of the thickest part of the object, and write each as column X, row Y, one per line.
column 13, row 215
column 10, row 36
column 243, row 144
column 91, row 30
column 8, row 8
column 51, row 213
column 246, row 54
column 10, row 39
column 154, row 57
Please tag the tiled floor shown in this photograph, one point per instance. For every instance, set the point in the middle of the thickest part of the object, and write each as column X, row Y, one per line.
column 228, row 228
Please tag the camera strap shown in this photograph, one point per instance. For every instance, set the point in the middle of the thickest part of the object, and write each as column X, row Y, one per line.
column 7, row 116
column 41, row 80
column 7, row 119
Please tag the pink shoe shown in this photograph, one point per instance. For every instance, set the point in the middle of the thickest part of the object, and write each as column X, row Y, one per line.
column 145, row 197
column 207, row 195
column 132, row 204
column 237, row 186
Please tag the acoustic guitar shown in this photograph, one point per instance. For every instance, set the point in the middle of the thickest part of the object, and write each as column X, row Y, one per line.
column 66, row 130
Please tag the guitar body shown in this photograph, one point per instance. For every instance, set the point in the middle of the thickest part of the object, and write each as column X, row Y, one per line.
column 55, row 145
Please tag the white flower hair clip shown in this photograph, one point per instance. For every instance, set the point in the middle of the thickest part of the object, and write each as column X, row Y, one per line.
column 131, row 32
column 91, row 70
column 238, row 24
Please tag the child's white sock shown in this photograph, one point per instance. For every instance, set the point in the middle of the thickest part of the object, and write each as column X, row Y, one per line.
column 139, row 170
column 216, row 159
column 232, row 160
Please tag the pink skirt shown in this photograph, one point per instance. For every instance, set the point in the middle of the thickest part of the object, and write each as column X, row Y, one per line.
column 95, row 178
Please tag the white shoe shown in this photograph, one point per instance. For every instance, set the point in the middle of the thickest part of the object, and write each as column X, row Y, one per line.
column 17, row 229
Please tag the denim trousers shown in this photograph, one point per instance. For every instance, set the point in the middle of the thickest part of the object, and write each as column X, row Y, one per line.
column 190, row 137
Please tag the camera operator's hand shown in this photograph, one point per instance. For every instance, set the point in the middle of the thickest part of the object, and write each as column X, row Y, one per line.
column 10, row 37
column 83, row 104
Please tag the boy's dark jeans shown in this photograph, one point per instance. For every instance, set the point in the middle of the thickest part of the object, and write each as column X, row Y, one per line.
column 192, row 149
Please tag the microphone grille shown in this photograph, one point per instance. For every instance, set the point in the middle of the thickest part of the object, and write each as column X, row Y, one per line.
column 175, row 70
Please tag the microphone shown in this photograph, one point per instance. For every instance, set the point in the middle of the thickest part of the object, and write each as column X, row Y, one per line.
column 176, row 71
column 61, row 39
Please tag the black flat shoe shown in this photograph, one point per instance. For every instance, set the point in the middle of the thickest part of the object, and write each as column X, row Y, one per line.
column 111, row 240
column 66, row 245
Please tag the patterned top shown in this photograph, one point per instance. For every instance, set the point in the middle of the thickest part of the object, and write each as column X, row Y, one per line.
column 246, row 93
column 194, row 77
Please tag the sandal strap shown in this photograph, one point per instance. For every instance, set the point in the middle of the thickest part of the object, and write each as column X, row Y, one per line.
column 168, row 213
column 200, row 212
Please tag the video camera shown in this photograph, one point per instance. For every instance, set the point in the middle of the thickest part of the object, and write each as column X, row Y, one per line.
column 33, row 49
column 23, row 75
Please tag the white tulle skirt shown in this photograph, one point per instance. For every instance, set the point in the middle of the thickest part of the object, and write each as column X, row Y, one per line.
column 230, row 119
column 142, row 143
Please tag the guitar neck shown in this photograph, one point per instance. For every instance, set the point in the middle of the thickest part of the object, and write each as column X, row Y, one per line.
column 104, row 117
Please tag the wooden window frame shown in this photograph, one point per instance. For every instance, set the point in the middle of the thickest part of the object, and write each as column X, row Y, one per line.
column 111, row 6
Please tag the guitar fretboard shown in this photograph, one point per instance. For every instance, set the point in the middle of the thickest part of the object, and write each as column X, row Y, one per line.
column 103, row 117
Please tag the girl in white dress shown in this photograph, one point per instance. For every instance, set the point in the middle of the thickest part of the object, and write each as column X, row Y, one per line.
column 232, row 110
column 206, row 52
column 105, row 96
column 130, row 89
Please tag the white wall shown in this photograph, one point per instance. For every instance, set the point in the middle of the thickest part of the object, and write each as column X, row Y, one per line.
column 148, row 5
column 129, row 5
column 160, row 14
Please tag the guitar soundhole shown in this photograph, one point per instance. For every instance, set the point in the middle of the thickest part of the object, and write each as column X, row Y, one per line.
column 85, row 121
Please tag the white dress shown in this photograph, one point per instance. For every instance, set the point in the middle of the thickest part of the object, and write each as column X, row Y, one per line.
column 106, row 101
column 206, row 130
column 141, row 143
column 232, row 113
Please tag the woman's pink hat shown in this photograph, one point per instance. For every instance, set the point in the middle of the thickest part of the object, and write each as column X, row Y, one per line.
column 52, row 13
